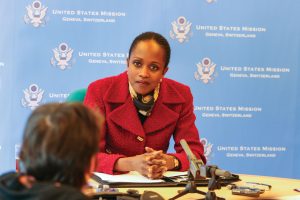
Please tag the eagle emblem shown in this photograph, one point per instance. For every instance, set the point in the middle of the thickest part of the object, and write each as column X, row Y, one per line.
column 36, row 13
column 205, row 70
column 210, row 1
column 32, row 96
column 181, row 29
column 207, row 147
column 62, row 56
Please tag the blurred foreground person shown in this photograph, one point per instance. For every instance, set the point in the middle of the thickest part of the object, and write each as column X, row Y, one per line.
column 58, row 151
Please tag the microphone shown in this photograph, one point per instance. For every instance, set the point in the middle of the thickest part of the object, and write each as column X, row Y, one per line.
column 189, row 153
column 224, row 173
column 213, row 170
column 197, row 167
column 194, row 162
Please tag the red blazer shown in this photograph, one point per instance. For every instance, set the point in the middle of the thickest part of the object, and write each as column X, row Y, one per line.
column 125, row 135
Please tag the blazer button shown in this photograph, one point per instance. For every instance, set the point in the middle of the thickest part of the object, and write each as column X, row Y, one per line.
column 139, row 138
column 108, row 151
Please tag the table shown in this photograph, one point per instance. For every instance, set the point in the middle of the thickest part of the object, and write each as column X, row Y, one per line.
column 282, row 189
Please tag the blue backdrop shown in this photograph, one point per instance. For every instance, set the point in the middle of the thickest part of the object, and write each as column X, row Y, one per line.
column 240, row 58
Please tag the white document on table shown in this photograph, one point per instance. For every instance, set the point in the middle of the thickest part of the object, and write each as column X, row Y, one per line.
column 135, row 177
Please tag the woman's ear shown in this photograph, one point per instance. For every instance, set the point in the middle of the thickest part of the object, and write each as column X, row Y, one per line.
column 165, row 70
column 127, row 62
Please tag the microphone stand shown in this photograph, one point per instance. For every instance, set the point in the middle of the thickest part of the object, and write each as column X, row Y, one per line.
column 198, row 171
column 213, row 183
column 190, row 187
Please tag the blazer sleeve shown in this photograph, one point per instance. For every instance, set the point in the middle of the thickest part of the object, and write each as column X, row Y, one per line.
column 186, row 129
column 94, row 100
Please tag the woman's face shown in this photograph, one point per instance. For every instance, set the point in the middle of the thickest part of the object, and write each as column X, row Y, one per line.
column 146, row 66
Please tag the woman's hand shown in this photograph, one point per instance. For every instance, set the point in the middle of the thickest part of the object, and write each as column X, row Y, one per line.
column 169, row 160
column 152, row 164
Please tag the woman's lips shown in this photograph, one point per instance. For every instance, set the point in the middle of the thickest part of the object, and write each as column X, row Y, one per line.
column 143, row 83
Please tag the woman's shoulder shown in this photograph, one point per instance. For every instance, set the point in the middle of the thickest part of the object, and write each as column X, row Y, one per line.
column 176, row 85
column 175, row 91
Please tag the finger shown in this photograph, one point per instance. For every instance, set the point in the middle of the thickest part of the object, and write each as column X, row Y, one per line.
column 156, row 154
column 157, row 175
column 159, row 162
column 160, row 169
column 149, row 149
column 147, row 159
column 152, row 160
column 145, row 170
column 151, row 156
column 150, row 172
column 156, row 171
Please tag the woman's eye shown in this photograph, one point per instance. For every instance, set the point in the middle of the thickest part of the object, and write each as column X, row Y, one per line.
column 154, row 67
column 137, row 63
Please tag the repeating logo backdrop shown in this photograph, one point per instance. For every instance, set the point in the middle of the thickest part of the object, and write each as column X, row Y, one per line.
column 240, row 58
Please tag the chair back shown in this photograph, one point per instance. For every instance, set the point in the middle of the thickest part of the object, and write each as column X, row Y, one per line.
column 77, row 95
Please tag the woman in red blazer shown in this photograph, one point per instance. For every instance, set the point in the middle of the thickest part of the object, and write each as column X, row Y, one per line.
column 143, row 110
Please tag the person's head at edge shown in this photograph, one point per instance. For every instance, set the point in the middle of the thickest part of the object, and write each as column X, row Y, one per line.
column 60, row 142
column 147, row 62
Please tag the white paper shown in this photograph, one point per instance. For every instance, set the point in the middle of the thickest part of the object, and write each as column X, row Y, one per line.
column 174, row 173
column 135, row 177
column 131, row 177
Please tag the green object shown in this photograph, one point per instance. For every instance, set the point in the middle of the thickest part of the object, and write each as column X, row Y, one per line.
column 77, row 95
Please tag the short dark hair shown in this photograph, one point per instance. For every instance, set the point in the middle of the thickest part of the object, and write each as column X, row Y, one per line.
column 59, row 141
column 158, row 38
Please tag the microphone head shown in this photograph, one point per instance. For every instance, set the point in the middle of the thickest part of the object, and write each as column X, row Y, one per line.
column 227, row 174
column 224, row 173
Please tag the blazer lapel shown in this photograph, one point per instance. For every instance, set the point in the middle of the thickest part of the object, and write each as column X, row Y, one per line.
column 126, row 117
column 162, row 115
column 124, row 114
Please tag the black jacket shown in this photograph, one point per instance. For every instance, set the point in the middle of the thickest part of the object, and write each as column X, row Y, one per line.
column 12, row 189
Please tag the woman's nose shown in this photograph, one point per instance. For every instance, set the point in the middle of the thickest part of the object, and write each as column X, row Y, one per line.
column 144, row 72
